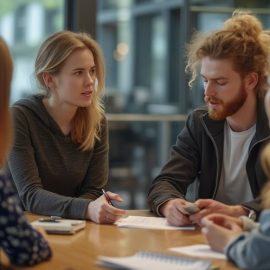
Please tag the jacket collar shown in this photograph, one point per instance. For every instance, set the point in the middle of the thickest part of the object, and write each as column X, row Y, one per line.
column 216, row 127
column 262, row 124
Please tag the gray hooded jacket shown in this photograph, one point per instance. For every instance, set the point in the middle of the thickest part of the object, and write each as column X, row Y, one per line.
column 52, row 175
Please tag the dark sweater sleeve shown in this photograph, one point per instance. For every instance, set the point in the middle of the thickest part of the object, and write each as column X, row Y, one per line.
column 179, row 172
column 22, row 244
column 97, row 173
column 24, row 171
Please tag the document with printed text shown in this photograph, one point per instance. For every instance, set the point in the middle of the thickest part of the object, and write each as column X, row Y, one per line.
column 142, row 222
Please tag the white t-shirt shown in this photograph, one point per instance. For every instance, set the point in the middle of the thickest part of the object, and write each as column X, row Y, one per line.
column 234, row 187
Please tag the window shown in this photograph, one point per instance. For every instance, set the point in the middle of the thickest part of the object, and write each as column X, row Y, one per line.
column 142, row 42
column 24, row 25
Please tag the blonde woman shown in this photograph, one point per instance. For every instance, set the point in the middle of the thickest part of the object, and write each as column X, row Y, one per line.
column 22, row 244
column 227, row 234
column 59, row 161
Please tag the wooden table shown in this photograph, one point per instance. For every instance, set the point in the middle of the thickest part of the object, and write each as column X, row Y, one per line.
column 79, row 251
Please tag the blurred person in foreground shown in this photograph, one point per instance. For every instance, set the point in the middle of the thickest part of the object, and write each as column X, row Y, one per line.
column 244, row 242
column 24, row 245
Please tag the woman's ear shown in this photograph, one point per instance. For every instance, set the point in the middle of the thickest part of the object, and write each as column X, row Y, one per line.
column 251, row 80
column 48, row 80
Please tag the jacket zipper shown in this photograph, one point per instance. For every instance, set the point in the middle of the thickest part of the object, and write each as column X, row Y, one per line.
column 218, row 165
column 263, row 140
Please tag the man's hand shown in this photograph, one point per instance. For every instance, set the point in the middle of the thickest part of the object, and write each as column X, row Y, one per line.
column 209, row 206
column 174, row 212
column 224, row 220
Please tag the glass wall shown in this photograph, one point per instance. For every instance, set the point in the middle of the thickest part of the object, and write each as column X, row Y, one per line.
column 24, row 24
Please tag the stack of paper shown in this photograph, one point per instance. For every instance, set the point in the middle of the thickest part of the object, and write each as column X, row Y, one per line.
column 149, row 223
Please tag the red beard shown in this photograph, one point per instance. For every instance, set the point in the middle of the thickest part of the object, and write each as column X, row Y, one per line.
column 226, row 109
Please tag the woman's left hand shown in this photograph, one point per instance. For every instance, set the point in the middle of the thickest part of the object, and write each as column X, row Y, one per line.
column 218, row 236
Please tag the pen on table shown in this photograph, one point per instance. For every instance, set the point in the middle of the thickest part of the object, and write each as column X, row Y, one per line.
column 107, row 197
column 54, row 219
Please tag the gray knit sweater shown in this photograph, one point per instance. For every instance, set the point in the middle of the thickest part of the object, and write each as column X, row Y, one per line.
column 52, row 175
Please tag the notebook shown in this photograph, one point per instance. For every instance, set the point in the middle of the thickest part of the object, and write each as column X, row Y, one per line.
column 145, row 260
column 60, row 226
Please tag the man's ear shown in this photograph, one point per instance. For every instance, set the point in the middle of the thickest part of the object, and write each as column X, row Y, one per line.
column 251, row 80
column 48, row 80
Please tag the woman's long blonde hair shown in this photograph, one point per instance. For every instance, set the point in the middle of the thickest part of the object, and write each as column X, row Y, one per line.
column 6, row 68
column 86, row 124
column 265, row 161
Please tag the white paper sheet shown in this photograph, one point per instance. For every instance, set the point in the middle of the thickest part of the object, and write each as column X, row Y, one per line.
column 149, row 223
column 199, row 250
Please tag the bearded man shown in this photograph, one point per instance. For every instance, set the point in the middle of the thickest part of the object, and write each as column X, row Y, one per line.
column 220, row 145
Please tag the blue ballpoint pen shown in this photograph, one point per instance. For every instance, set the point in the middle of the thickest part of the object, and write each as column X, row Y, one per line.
column 107, row 197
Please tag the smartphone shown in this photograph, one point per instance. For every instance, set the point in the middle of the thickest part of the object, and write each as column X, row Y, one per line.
column 191, row 208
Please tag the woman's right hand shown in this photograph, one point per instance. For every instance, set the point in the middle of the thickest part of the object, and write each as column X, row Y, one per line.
column 100, row 211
